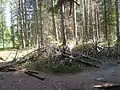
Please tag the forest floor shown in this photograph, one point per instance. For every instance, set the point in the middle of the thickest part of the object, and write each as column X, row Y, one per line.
column 108, row 73
column 9, row 55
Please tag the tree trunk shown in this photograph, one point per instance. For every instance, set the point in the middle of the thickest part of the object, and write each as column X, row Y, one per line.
column 53, row 22
column 98, row 21
column 3, row 40
column 37, row 26
column 63, row 31
column 94, row 21
column 2, row 26
column 22, row 23
column 85, row 32
column 88, row 7
column 12, row 36
column 18, row 36
column 41, row 25
column 105, row 21
column 25, row 24
column 75, row 24
column 117, row 21
column 90, row 25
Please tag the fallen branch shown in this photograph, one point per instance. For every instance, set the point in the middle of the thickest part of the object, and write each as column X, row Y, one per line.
column 79, row 60
column 108, row 86
column 14, row 62
column 35, row 72
column 5, row 67
column 34, row 75
column 16, row 54
column 84, row 56
column 88, row 64
column 88, row 57
column 9, row 70
column 69, row 54
column 25, row 59
column 2, row 59
column 30, row 53
column 8, row 56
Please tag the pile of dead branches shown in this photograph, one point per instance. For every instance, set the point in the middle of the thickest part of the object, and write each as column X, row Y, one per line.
column 53, row 58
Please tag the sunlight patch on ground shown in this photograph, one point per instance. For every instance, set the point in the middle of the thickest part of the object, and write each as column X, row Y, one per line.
column 10, row 55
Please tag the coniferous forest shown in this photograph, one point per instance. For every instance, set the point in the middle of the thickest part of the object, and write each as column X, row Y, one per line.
column 59, row 36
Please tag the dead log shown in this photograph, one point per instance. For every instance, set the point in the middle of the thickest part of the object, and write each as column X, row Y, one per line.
column 34, row 75
column 84, row 56
column 107, row 86
column 69, row 53
column 87, row 63
column 2, row 68
column 81, row 61
column 88, row 57
column 9, row 70
column 35, row 72
column 10, row 66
